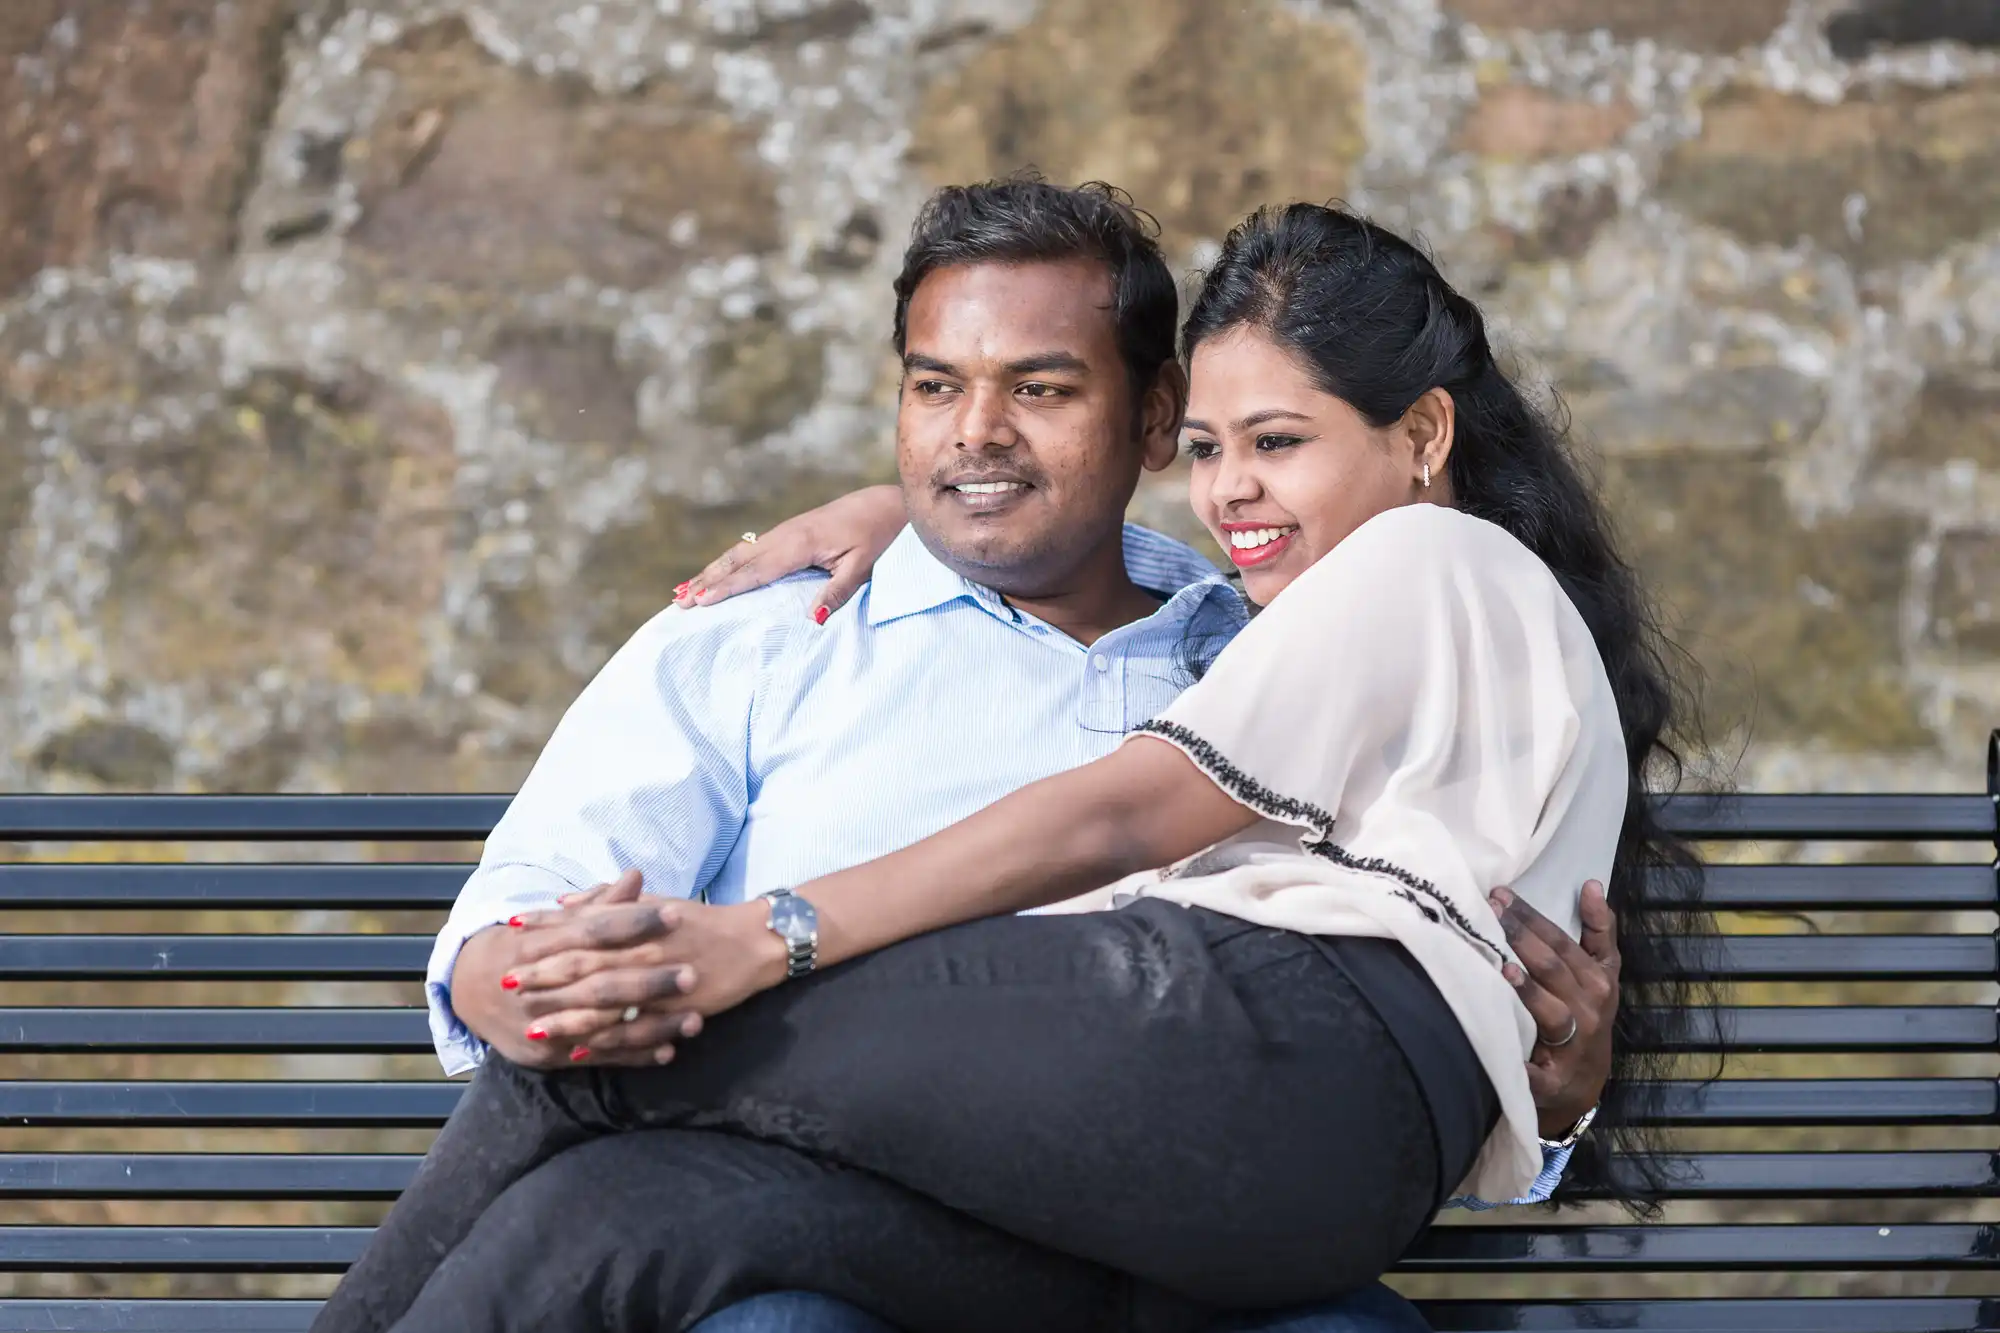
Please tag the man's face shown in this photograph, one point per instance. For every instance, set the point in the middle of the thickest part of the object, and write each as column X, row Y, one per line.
column 1017, row 433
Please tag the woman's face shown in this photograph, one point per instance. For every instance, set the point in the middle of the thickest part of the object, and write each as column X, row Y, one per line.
column 1284, row 471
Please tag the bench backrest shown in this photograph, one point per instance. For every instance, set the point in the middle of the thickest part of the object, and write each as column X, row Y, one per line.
column 1874, row 1096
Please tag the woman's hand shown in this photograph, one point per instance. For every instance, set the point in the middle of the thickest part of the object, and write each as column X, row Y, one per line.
column 845, row 537
column 485, row 992
column 675, row 963
column 1571, row 991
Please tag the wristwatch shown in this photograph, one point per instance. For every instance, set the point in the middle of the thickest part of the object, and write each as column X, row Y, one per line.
column 794, row 921
column 1576, row 1132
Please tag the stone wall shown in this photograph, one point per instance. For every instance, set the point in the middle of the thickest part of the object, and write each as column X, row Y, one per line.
column 369, row 371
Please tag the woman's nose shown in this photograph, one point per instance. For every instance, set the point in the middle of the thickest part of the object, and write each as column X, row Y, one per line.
column 1234, row 479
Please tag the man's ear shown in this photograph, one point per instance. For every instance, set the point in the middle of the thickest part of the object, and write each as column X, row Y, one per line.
column 1160, row 412
column 1429, row 427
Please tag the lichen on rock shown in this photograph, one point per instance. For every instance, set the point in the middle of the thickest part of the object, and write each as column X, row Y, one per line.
column 1201, row 111
column 369, row 369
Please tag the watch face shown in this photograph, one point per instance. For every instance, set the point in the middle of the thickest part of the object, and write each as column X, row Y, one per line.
column 794, row 919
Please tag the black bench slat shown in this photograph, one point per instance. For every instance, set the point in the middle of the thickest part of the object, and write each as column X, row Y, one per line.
column 205, row 1175
column 385, row 1175
column 228, row 1031
column 214, row 957
column 1926, row 1245
column 1872, row 817
column 358, row 887
column 398, row 818
column 1857, row 1028
column 1878, row 1314
column 115, row 1316
column 1899, row 1314
column 151, row 1249
column 1929, row 1246
column 1887, row 816
column 380, row 1031
column 420, row 885
column 1815, row 1101
column 1852, row 957
column 1936, row 1101
column 324, row 1104
column 1749, row 1175
column 1898, row 888
column 402, row 957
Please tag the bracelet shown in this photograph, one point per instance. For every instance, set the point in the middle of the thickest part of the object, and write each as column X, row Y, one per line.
column 1576, row 1132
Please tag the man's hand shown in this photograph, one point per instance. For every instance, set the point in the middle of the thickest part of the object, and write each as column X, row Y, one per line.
column 486, row 989
column 1571, row 991
column 624, row 983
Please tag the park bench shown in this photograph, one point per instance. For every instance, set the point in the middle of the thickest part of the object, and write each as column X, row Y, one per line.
column 1887, row 1128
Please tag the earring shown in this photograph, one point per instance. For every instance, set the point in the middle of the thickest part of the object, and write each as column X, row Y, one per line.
column 1427, row 476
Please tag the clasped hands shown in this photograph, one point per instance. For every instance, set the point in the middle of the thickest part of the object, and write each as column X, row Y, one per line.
column 613, row 976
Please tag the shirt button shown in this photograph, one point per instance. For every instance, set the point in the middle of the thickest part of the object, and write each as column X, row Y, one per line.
column 1101, row 662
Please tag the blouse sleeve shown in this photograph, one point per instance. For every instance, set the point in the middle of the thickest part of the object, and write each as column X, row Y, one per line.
column 1421, row 683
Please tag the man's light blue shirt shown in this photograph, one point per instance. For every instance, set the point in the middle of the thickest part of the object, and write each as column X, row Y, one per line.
column 730, row 750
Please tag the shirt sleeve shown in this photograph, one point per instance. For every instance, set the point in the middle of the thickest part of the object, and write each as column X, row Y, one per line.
column 648, row 769
column 1554, row 1162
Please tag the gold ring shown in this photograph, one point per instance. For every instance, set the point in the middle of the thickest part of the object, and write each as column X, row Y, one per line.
column 749, row 537
column 631, row 1013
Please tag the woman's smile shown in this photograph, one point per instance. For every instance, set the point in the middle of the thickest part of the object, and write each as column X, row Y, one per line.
column 1258, row 543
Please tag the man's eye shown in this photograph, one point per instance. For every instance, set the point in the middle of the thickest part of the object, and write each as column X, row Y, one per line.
column 1273, row 443
column 1044, row 391
column 932, row 388
column 1199, row 449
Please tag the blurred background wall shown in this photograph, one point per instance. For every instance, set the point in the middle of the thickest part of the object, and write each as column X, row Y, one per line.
column 369, row 371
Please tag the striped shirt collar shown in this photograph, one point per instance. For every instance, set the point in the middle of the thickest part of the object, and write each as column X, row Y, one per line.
column 909, row 579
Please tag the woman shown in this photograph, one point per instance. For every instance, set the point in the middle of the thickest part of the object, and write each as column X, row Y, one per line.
column 1253, row 1082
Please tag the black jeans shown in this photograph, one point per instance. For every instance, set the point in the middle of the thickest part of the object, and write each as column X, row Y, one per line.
column 1190, row 1112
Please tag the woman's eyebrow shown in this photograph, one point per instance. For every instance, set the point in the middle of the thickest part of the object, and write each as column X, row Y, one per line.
column 1254, row 419
column 1270, row 414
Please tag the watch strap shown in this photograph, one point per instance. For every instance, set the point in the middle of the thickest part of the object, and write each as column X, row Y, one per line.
column 1576, row 1132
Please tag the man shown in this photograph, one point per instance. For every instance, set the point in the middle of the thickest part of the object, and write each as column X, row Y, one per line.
column 1014, row 630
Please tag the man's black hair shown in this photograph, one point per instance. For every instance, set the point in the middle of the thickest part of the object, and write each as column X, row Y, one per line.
column 1024, row 219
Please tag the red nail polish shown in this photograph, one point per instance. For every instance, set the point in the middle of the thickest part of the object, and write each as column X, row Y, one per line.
column 516, row 922
column 580, row 1053
column 680, row 588
column 698, row 593
column 819, row 616
column 510, row 982
column 538, row 1033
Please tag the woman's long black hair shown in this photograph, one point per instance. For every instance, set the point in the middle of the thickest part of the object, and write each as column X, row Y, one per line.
column 1368, row 314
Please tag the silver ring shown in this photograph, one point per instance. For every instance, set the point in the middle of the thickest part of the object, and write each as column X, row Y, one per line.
column 1568, row 1037
column 749, row 537
column 631, row 1012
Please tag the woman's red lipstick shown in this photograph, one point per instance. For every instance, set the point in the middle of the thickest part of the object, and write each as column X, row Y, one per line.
column 1246, row 557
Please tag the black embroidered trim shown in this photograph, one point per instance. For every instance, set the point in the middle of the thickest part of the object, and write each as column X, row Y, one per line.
column 1430, row 913
column 1240, row 784
column 1287, row 810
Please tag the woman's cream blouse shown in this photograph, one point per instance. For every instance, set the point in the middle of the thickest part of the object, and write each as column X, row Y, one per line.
column 1420, row 717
